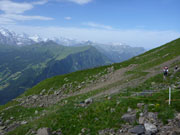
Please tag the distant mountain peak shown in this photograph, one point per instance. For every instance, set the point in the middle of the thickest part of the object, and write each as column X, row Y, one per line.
column 11, row 38
column 36, row 38
column 4, row 31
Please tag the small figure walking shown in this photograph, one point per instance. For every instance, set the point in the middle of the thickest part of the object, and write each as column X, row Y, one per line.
column 165, row 71
column 176, row 68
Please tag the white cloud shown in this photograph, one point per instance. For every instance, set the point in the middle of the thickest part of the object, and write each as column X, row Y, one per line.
column 68, row 18
column 81, row 2
column 13, row 11
column 96, row 25
column 5, row 21
column 144, row 38
column 10, row 7
column 19, row 17
column 42, row 2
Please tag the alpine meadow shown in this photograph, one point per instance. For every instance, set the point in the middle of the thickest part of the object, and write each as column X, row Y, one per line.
column 89, row 67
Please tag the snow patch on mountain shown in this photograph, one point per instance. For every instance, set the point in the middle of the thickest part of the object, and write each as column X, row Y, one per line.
column 4, row 32
column 116, row 52
column 36, row 38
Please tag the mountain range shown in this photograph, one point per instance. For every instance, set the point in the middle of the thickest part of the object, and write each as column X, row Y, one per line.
column 132, row 97
column 115, row 52
column 24, row 66
column 27, row 60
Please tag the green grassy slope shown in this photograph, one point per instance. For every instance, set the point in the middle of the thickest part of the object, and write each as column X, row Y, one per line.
column 23, row 67
column 145, row 61
column 103, row 112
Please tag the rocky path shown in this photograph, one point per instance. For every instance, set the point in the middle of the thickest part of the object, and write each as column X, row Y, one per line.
column 114, row 82
column 134, row 82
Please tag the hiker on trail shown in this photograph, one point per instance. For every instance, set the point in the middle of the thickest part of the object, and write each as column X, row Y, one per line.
column 176, row 68
column 165, row 71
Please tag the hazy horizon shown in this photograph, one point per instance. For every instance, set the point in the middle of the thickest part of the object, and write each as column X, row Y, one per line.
column 142, row 23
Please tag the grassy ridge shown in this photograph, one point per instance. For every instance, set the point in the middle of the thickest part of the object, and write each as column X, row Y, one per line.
column 144, row 61
column 58, row 81
column 104, row 113
column 101, row 114
column 25, row 66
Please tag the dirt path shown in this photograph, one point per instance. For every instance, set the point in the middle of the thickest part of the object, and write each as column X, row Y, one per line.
column 134, row 82
column 115, row 77
column 115, row 82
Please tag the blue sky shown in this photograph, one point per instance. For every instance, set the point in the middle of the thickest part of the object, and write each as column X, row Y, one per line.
column 147, row 23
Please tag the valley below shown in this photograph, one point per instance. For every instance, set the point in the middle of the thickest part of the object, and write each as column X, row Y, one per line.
column 124, row 98
column 26, row 60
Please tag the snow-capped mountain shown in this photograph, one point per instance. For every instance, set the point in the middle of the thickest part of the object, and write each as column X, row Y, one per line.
column 116, row 52
column 11, row 38
column 119, row 53
column 36, row 38
column 7, row 37
column 65, row 41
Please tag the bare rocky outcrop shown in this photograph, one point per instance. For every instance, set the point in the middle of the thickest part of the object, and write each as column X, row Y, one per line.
column 148, row 124
column 88, row 101
column 130, row 118
column 139, row 129
column 44, row 131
